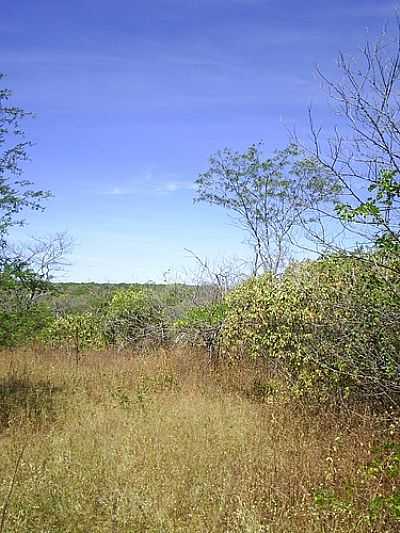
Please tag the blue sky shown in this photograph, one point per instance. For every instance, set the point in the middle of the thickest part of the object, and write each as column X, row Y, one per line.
column 132, row 96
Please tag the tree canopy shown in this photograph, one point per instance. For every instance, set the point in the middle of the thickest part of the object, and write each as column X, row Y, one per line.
column 16, row 192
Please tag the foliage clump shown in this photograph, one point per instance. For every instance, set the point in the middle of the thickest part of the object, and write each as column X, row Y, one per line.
column 77, row 332
column 330, row 325
column 202, row 326
column 133, row 317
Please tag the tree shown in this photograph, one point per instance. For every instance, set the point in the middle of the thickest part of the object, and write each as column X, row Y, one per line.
column 32, row 267
column 363, row 155
column 268, row 197
column 24, row 273
column 16, row 193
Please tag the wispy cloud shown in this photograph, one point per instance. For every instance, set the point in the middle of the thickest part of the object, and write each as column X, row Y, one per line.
column 117, row 191
column 175, row 186
column 167, row 187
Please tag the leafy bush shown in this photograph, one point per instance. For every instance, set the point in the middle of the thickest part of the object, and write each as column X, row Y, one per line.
column 22, row 314
column 254, row 324
column 202, row 326
column 20, row 326
column 331, row 324
column 77, row 332
column 132, row 317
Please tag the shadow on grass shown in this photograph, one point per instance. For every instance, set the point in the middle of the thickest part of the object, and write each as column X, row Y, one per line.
column 26, row 401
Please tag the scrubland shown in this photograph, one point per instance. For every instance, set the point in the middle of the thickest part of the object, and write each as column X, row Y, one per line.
column 164, row 442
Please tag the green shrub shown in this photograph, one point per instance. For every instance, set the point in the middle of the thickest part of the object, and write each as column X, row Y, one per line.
column 133, row 317
column 331, row 324
column 23, row 314
column 202, row 326
column 21, row 326
column 76, row 332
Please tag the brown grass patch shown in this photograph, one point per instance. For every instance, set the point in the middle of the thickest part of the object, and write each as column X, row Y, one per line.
column 165, row 443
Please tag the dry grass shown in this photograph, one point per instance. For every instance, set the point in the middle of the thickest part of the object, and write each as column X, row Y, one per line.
column 163, row 443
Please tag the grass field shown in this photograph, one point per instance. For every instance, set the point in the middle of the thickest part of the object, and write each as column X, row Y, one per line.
column 165, row 443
